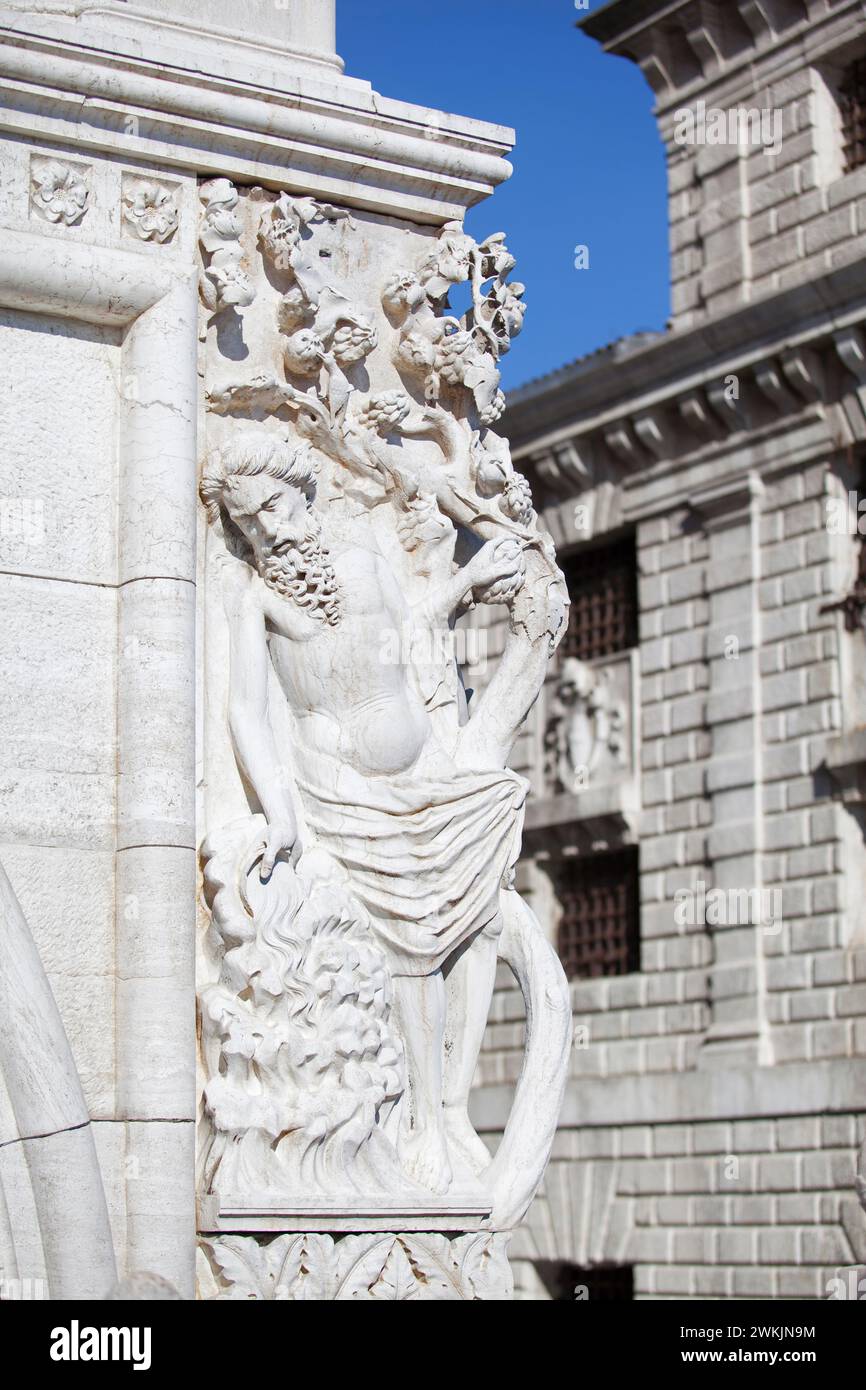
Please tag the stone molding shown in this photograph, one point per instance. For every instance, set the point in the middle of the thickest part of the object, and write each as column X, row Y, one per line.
column 728, row 503
column 675, row 419
column 795, row 1088
column 695, row 46
column 345, row 141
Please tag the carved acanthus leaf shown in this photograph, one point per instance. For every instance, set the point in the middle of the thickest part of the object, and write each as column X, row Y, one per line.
column 372, row 1267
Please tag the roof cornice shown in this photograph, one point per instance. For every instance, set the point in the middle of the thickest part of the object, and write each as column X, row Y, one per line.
column 333, row 138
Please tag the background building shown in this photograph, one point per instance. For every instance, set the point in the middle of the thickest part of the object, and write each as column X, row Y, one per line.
column 695, row 834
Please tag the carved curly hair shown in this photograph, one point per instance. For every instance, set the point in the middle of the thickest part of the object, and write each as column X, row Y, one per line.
column 250, row 456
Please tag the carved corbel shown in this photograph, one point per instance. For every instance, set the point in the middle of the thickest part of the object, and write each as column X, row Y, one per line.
column 656, row 433
column 724, row 397
column 771, row 383
column 574, row 463
column 695, row 411
column 766, row 18
column 665, row 59
column 715, row 34
column 702, row 43
column 565, row 468
column 850, row 344
column 805, row 373
column 621, row 442
column 549, row 474
column 851, row 347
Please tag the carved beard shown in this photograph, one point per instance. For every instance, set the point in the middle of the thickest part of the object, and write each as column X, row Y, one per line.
column 305, row 575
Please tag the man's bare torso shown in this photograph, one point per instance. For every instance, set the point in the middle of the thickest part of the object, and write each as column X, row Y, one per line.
column 350, row 696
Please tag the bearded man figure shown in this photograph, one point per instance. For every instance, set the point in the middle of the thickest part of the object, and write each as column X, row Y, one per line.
column 425, row 844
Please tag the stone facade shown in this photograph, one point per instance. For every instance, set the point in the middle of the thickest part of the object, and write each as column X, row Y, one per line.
column 250, row 476
column 712, row 1123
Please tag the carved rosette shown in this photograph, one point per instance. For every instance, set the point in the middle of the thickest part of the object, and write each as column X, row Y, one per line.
column 150, row 211
column 378, row 1267
column 59, row 192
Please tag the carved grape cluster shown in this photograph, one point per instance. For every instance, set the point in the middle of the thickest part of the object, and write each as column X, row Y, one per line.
column 385, row 412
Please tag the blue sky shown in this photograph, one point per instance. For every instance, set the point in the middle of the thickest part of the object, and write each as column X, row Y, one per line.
column 588, row 163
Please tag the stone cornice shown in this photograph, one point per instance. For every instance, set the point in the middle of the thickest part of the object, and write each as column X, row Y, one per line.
column 758, row 329
column 162, row 28
column 781, row 363
column 335, row 138
column 691, row 45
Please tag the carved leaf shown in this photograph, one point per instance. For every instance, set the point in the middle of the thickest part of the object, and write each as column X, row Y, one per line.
column 302, row 1268
column 207, row 290
column 360, row 1261
column 243, row 1264
column 291, row 1268
column 433, row 1267
column 396, row 1269
column 482, row 1261
column 396, row 1281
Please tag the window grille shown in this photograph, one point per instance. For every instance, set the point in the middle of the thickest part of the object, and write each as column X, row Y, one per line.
column 852, row 103
column 602, row 586
column 599, row 928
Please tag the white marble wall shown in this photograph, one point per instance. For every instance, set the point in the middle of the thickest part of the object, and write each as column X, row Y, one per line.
column 58, row 651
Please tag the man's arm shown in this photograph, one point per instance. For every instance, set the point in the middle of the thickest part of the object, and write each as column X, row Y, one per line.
column 497, row 562
column 249, row 723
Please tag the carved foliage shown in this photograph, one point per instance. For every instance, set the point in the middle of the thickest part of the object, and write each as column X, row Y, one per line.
column 452, row 352
column 377, row 1266
column 320, row 323
column 224, row 281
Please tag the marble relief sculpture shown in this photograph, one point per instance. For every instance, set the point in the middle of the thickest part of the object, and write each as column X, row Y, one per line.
column 359, row 502
column 59, row 192
column 585, row 731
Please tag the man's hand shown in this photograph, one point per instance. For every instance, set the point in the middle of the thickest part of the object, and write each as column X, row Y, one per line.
column 281, row 835
column 498, row 566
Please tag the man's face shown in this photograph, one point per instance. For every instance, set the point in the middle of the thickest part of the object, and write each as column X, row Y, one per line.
column 272, row 514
